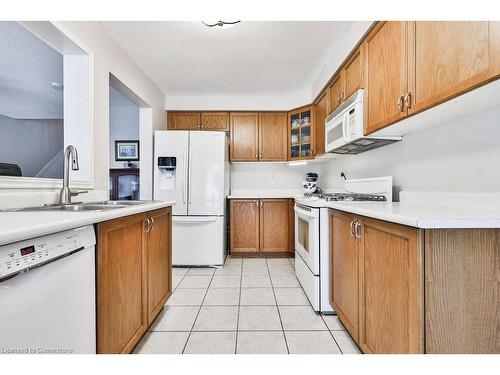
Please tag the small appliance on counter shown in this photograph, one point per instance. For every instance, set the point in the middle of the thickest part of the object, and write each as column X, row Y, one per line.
column 310, row 185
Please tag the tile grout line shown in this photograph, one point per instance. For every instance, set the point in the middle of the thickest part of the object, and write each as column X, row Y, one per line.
column 239, row 305
column 277, row 307
column 331, row 334
column 198, row 313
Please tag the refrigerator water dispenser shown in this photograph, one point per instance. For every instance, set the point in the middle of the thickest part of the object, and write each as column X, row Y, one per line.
column 167, row 167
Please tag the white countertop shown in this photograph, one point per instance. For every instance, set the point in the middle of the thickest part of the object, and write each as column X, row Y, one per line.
column 264, row 193
column 427, row 213
column 22, row 225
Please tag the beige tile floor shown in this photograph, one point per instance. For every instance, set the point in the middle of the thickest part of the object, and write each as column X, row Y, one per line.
column 250, row 306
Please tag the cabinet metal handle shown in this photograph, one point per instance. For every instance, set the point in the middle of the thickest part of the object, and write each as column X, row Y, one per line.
column 257, row 204
column 339, row 98
column 353, row 223
column 357, row 230
column 201, row 125
column 261, row 204
column 147, row 224
column 342, row 96
column 256, row 156
column 152, row 225
column 198, row 126
column 408, row 100
column 400, row 103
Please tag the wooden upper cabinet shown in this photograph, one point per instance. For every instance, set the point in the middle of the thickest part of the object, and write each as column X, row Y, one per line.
column 274, row 215
column 446, row 59
column 353, row 72
column 321, row 112
column 391, row 293
column 244, row 216
column 183, row 120
column 344, row 266
column 244, row 136
column 159, row 251
column 272, row 136
column 384, row 53
column 121, row 284
column 335, row 91
column 215, row 121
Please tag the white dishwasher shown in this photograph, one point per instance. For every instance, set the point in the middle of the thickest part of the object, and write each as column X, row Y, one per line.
column 47, row 294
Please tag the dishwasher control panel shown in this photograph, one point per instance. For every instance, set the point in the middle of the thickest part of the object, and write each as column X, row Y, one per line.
column 24, row 255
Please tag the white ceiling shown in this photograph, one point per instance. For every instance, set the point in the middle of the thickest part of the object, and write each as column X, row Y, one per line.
column 27, row 67
column 251, row 58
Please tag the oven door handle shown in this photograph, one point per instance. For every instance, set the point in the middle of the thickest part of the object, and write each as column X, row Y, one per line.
column 301, row 211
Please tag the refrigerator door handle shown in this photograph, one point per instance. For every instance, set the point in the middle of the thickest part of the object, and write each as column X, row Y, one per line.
column 189, row 171
column 193, row 219
column 184, row 178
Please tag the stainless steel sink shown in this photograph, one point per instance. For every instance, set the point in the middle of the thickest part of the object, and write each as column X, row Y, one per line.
column 73, row 207
column 121, row 203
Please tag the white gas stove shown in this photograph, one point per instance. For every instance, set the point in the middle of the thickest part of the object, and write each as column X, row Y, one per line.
column 312, row 233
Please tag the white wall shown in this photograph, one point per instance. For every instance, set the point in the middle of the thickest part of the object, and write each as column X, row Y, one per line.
column 31, row 144
column 109, row 58
column 461, row 155
column 123, row 123
column 268, row 175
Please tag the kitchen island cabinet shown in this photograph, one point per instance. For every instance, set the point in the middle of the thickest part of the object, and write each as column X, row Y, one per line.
column 134, row 278
column 419, row 290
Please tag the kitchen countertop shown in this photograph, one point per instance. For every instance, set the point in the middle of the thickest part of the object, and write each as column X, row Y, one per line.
column 264, row 193
column 424, row 213
column 22, row 225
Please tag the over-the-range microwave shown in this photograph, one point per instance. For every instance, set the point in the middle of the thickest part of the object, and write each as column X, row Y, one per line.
column 344, row 129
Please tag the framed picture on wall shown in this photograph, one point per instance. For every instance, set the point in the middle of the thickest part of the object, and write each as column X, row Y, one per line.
column 127, row 150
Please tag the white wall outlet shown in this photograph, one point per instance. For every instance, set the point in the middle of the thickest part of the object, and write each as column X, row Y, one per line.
column 271, row 180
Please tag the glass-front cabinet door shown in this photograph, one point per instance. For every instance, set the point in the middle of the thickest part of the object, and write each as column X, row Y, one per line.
column 301, row 134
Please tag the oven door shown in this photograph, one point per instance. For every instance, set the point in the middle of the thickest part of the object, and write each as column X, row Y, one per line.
column 307, row 235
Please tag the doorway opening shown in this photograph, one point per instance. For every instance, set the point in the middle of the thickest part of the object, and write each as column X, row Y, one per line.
column 130, row 152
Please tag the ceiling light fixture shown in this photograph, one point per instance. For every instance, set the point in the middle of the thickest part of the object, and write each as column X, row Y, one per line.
column 220, row 24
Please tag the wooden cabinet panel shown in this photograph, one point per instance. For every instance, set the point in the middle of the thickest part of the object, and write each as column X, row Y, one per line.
column 386, row 76
column 344, row 281
column 121, row 284
column 159, row 250
column 391, row 293
column 183, row 120
column 274, row 215
column 244, row 225
column 353, row 72
column 321, row 112
column 462, row 295
column 446, row 59
column 215, row 121
column 335, row 89
column 244, row 136
column 272, row 136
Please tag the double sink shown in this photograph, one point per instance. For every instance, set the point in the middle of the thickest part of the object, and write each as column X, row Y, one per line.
column 78, row 207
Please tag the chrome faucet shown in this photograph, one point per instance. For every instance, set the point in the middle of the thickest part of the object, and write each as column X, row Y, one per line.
column 66, row 194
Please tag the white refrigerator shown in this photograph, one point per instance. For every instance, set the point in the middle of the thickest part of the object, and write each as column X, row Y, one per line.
column 192, row 168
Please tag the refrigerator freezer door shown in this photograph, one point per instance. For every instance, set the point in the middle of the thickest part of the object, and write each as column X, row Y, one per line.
column 206, row 173
column 198, row 240
column 172, row 185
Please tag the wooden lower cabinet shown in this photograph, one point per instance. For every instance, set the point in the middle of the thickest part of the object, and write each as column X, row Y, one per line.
column 159, row 258
column 274, row 226
column 244, row 216
column 344, row 275
column 391, row 288
column 261, row 225
column 134, row 277
column 380, row 300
